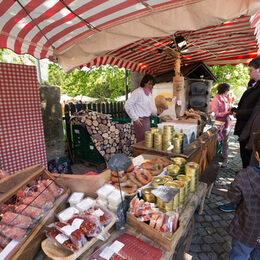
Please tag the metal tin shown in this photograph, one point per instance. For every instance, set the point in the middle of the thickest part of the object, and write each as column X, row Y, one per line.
column 180, row 185
column 173, row 170
column 161, row 205
column 176, row 199
column 155, row 130
column 148, row 140
column 192, row 170
column 148, row 196
column 180, row 162
column 177, row 145
column 158, row 180
column 167, row 178
column 186, row 180
column 157, row 141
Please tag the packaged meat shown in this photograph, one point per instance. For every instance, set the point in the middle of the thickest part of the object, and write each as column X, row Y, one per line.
column 4, row 241
column 105, row 190
column 12, row 232
column 89, row 225
column 55, row 236
column 52, row 187
column 85, row 204
column 67, row 214
column 16, row 220
column 42, row 189
column 3, row 174
column 4, row 208
column 127, row 247
column 73, row 232
column 29, row 211
column 75, row 198
column 38, row 201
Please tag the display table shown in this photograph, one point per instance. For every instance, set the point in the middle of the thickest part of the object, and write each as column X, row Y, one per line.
column 182, row 234
column 201, row 151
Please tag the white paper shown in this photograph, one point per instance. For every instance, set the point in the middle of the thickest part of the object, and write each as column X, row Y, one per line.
column 117, row 246
column 107, row 253
column 85, row 204
column 77, row 222
column 67, row 230
column 99, row 212
column 6, row 251
column 61, row 238
column 67, row 214
column 76, row 197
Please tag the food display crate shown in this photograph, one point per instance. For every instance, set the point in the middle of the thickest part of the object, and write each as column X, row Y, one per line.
column 9, row 186
column 84, row 148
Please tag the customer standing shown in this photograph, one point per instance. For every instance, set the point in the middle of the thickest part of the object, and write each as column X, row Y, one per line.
column 221, row 107
column 139, row 107
column 245, row 108
column 245, row 226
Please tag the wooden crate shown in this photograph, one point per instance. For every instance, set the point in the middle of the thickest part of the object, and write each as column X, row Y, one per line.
column 9, row 186
column 167, row 241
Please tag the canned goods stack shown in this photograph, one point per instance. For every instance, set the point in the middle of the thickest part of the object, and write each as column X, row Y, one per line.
column 158, row 141
column 158, row 180
column 176, row 199
column 148, row 140
column 186, row 180
column 180, row 185
column 177, row 143
column 148, row 196
column 173, row 170
column 192, row 171
column 180, row 162
column 166, row 138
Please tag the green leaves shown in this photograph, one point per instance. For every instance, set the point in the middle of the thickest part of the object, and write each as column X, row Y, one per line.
column 98, row 82
column 236, row 76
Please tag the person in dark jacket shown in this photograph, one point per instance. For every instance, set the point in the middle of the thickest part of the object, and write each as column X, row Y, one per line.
column 245, row 226
column 245, row 108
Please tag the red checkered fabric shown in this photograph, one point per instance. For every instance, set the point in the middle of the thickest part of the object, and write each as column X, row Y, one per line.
column 21, row 130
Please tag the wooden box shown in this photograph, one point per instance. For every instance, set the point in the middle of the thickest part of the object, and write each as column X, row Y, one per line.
column 9, row 186
column 167, row 241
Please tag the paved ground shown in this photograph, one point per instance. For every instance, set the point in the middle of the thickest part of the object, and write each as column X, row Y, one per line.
column 210, row 239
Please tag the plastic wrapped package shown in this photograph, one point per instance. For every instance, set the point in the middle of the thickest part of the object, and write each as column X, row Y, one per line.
column 75, row 198
column 52, row 187
column 102, row 214
column 29, row 211
column 4, row 241
column 60, row 239
column 4, row 208
column 67, row 214
column 73, row 232
column 37, row 200
column 104, row 191
column 44, row 191
column 114, row 198
column 85, row 204
column 127, row 246
column 12, row 232
column 16, row 220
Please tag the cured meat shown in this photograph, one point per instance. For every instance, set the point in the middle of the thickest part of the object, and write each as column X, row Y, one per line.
column 4, row 208
column 45, row 191
column 53, row 234
column 52, row 187
column 12, row 232
column 4, row 241
column 133, row 249
column 74, row 233
column 29, row 211
column 38, row 202
column 16, row 220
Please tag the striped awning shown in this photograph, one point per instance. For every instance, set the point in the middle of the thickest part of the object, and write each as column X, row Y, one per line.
column 127, row 32
column 229, row 43
column 255, row 22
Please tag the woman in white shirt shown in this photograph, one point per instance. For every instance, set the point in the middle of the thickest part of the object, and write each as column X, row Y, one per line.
column 139, row 107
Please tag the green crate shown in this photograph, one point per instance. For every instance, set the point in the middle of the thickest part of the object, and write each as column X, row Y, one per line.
column 121, row 120
column 84, row 148
column 154, row 121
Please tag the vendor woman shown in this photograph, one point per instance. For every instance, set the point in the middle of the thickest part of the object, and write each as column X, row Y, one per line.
column 139, row 107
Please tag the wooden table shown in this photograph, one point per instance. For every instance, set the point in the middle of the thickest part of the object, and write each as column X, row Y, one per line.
column 186, row 220
column 201, row 151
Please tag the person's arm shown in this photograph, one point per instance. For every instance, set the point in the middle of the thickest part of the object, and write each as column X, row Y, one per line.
column 130, row 106
column 235, row 191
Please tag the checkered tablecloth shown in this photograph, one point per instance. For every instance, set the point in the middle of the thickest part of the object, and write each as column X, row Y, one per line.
column 21, row 129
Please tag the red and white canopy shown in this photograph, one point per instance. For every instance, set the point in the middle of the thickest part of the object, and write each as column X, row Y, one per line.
column 128, row 32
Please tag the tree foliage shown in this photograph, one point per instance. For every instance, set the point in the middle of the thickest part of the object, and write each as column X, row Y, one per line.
column 101, row 82
column 9, row 56
column 236, row 76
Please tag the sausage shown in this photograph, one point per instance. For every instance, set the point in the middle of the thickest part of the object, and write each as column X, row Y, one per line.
column 163, row 161
column 143, row 176
column 12, row 232
column 130, row 168
column 16, row 220
column 115, row 179
column 128, row 187
column 120, row 174
column 42, row 189
column 131, row 177
column 4, row 241
column 29, row 211
column 52, row 187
